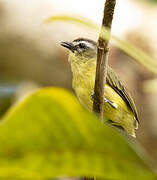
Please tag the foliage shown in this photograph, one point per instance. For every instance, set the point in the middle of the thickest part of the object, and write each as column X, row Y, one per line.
column 139, row 55
column 49, row 134
column 151, row 1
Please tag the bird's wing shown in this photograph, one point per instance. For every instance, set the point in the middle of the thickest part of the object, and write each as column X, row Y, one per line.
column 114, row 81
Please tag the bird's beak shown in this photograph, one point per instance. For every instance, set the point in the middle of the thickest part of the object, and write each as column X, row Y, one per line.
column 68, row 45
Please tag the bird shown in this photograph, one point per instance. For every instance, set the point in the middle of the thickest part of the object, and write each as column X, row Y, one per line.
column 119, row 107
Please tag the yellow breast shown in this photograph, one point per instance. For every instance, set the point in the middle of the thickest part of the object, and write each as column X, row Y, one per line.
column 83, row 84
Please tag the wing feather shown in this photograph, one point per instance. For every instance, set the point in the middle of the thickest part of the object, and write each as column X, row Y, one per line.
column 114, row 81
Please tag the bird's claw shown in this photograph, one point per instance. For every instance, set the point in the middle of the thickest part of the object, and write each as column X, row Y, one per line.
column 113, row 105
column 110, row 103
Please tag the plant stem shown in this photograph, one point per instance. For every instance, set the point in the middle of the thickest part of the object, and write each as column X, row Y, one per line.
column 102, row 59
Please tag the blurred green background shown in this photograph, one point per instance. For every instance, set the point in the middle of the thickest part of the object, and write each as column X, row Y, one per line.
column 31, row 56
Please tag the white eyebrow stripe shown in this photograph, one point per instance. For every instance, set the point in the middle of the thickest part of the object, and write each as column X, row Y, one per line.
column 85, row 42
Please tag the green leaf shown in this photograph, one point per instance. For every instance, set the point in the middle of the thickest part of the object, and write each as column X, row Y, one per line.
column 50, row 134
column 139, row 55
column 76, row 20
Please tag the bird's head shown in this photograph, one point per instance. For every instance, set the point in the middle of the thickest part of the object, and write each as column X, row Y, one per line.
column 81, row 48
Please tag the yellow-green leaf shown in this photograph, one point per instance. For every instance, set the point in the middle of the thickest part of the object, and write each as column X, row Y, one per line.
column 49, row 134
column 138, row 54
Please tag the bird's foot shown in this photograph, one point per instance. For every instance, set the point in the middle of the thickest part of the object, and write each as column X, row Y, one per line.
column 110, row 103
column 92, row 96
column 113, row 105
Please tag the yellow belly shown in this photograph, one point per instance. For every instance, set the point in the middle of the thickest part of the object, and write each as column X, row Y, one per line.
column 83, row 84
column 121, row 116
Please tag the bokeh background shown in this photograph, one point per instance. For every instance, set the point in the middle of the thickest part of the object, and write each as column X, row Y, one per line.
column 31, row 55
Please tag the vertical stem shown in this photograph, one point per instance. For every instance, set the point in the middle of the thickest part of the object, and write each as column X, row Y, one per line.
column 102, row 62
column 102, row 58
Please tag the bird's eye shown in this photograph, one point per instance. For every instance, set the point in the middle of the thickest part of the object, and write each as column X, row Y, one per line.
column 82, row 45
